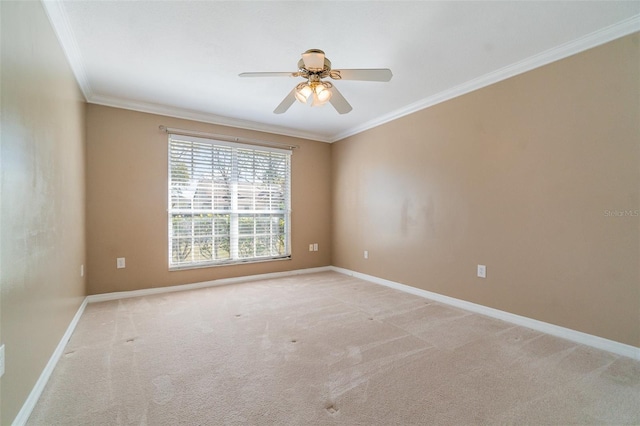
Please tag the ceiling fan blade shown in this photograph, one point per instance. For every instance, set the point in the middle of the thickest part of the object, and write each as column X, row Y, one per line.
column 286, row 102
column 371, row 74
column 339, row 102
column 313, row 59
column 269, row 74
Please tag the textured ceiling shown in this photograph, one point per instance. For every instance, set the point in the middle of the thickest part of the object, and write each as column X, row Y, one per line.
column 182, row 58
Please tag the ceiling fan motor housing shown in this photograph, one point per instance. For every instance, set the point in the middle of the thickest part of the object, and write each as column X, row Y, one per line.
column 310, row 54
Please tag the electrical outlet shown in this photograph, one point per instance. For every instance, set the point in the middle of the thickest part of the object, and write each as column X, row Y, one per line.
column 120, row 263
column 315, row 246
column 310, row 247
column 482, row 271
column 1, row 360
column 366, row 254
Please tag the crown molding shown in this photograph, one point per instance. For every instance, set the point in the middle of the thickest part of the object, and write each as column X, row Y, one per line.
column 597, row 38
column 60, row 23
column 187, row 114
column 57, row 15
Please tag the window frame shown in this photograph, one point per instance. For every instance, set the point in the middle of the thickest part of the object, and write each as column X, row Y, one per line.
column 234, row 211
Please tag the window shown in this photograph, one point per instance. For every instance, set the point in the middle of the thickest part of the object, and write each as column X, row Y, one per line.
column 228, row 202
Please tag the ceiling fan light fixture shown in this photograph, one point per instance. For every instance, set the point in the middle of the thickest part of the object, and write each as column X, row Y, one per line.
column 314, row 67
column 316, row 102
column 303, row 91
column 313, row 93
column 322, row 93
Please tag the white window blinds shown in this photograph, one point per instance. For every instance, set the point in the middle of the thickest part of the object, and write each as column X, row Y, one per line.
column 228, row 202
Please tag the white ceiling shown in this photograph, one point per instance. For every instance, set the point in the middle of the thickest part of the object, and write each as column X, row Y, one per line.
column 182, row 58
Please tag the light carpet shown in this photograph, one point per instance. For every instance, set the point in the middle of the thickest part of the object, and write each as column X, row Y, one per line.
column 323, row 349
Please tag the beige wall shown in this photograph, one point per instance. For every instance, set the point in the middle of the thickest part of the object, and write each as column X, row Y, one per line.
column 127, row 202
column 517, row 176
column 42, row 198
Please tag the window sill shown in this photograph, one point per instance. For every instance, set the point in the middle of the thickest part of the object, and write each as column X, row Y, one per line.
column 229, row 263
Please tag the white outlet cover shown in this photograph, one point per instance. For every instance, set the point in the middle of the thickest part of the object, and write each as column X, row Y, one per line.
column 482, row 271
column 310, row 247
column 315, row 246
column 1, row 360
column 366, row 254
column 120, row 263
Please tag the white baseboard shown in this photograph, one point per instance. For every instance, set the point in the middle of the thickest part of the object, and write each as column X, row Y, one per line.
column 32, row 399
column 223, row 281
column 566, row 333
column 544, row 327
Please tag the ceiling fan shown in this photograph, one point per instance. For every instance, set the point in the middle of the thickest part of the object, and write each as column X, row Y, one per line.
column 314, row 67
